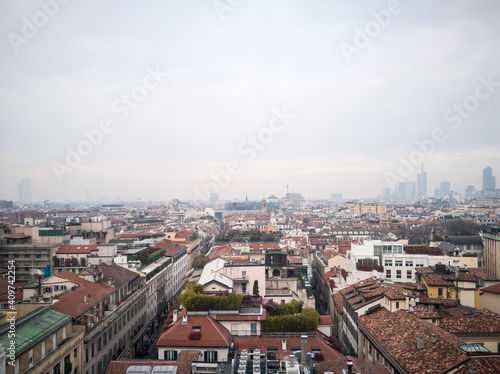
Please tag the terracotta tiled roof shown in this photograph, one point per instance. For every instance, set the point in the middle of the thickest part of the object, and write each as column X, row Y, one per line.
column 77, row 249
column 394, row 294
column 338, row 299
column 264, row 342
column 436, row 280
column 467, row 277
column 456, row 312
column 480, row 273
column 493, row 289
column 484, row 365
column 223, row 250
column 184, row 234
column 73, row 303
column 486, row 322
column 424, row 299
column 397, row 333
column 424, row 270
column 423, row 312
column 212, row 334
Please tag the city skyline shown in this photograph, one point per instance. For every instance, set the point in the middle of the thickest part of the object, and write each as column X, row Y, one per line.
column 443, row 187
column 156, row 101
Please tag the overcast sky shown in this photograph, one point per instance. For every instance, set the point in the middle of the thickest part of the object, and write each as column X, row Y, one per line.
column 181, row 87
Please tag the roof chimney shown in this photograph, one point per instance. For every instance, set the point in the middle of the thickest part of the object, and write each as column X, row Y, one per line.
column 85, row 299
column 184, row 319
column 349, row 365
column 420, row 342
column 433, row 338
column 175, row 315
column 283, row 345
column 303, row 349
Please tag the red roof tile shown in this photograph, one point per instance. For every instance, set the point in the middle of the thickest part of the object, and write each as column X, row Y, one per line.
column 486, row 322
column 397, row 333
column 212, row 334
column 72, row 303
column 493, row 289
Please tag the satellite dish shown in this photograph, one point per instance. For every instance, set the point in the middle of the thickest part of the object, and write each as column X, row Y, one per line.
column 36, row 272
column 374, row 273
column 417, row 300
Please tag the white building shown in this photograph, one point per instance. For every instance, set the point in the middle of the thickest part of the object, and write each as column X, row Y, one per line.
column 399, row 261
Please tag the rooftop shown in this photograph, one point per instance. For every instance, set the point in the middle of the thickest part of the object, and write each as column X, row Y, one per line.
column 397, row 333
column 33, row 328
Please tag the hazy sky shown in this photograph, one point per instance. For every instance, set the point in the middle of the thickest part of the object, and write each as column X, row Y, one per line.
column 337, row 94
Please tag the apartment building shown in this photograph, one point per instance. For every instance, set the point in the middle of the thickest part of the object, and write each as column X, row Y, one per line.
column 46, row 342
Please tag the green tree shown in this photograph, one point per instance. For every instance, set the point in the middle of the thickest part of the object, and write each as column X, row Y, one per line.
column 256, row 289
column 200, row 261
column 144, row 256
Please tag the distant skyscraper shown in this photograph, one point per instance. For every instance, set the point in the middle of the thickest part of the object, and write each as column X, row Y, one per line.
column 406, row 191
column 470, row 192
column 489, row 181
column 214, row 197
column 25, row 191
column 422, row 184
column 337, row 197
column 387, row 194
column 444, row 188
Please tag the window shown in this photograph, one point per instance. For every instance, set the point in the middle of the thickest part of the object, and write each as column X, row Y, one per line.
column 210, row 356
column 170, row 355
column 75, row 353
column 398, row 263
column 398, row 274
column 92, row 350
column 47, row 290
column 30, row 361
column 86, row 355
column 388, row 263
column 244, row 289
column 253, row 328
column 43, row 349
column 409, row 274
column 243, row 274
column 397, row 304
column 409, row 263
column 54, row 342
column 388, row 273
column 440, row 292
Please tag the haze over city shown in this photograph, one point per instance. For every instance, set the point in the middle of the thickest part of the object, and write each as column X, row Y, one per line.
column 323, row 96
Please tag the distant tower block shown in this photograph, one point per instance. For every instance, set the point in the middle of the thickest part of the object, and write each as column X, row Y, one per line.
column 264, row 204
